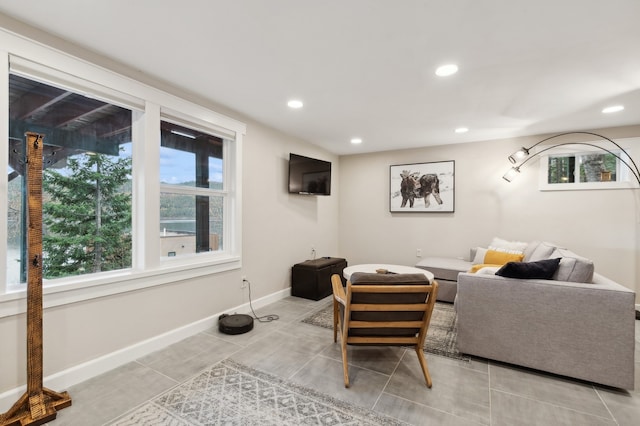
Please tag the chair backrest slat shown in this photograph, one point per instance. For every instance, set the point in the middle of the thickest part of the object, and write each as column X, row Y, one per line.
column 388, row 307
column 363, row 340
column 378, row 324
column 381, row 288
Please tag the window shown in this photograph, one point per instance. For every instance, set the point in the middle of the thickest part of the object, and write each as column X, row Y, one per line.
column 192, row 186
column 107, row 134
column 579, row 167
column 86, row 181
column 583, row 168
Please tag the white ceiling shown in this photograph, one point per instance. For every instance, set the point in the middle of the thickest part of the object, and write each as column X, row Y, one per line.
column 365, row 68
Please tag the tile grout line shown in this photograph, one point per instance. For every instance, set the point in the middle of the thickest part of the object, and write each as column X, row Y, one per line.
column 489, row 386
column 389, row 379
column 440, row 410
column 530, row 398
column 605, row 405
column 147, row 401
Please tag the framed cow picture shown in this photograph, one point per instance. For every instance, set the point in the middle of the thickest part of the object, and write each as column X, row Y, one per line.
column 422, row 187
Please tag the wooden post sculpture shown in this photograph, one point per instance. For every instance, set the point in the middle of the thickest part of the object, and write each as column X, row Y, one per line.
column 38, row 405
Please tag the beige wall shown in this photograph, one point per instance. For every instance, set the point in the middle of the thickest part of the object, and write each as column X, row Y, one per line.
column 599, row 224
column 278, row 231
column 279, row 228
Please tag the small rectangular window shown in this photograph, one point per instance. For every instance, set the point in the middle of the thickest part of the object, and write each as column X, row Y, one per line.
column 583, row 168
column 577, row 167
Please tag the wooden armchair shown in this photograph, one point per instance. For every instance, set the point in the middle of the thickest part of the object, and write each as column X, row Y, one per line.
column 383, row 310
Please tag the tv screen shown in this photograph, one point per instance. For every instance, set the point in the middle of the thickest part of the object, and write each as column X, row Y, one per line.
column 309, row 176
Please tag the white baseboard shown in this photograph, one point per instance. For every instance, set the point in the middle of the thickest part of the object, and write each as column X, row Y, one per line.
column 79, row 373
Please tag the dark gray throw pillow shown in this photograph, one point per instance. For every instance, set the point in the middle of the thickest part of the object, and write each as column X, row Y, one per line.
column 541, row 269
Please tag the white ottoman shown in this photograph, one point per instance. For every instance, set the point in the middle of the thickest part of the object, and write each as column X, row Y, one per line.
column 445, row 271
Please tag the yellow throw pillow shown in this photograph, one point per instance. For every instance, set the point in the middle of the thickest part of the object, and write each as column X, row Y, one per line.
column 494, row 257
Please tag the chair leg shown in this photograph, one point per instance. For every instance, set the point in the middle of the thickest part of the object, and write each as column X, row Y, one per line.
column 345, row 363
column 423, row 365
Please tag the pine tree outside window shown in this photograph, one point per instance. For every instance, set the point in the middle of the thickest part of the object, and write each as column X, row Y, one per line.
column 86, row 181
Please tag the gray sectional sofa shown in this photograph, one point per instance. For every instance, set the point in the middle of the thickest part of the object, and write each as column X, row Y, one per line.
column 577, row 324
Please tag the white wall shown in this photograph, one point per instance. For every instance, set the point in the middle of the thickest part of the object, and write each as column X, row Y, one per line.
column 599, row 224
column 279, row 228
column 278, row 231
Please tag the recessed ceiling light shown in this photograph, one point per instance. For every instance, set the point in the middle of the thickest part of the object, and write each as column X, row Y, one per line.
column 614, row 108
column 446, row 70
column 356, row 141
column 462, row 130
column 294, row 103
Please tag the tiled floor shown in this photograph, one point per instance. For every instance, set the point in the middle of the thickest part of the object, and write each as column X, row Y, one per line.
column 388, row 380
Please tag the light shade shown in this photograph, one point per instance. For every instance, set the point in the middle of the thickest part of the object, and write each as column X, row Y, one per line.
column 511, row 174
column 518, row 155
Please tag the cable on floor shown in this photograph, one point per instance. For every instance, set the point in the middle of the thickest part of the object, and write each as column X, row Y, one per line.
column 264, row 318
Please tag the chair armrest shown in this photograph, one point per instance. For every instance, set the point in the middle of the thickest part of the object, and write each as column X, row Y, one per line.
column 338, row 290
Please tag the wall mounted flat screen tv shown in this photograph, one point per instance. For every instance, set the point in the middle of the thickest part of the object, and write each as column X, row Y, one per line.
column 309, row 176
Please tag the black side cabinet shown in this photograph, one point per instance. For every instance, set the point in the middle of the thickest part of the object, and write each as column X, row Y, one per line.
column 312, row 279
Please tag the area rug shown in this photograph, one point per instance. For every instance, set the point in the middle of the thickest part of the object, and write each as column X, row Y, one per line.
column 441, row 336
column 230, row 393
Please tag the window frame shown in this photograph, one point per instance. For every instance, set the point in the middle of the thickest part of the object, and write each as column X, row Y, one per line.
column 625, row 180
column 28, row 58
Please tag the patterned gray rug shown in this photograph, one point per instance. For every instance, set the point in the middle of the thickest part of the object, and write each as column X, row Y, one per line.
column 230, row 393
column 441, row 336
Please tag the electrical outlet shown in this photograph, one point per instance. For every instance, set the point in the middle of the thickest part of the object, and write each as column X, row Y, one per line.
column 313, row 252
column 244, row 282
column 418, row 252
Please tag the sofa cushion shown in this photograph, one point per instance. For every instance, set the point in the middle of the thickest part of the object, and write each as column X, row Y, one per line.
column 478, row 255
column 388, row 279
column 494, row 257
column 505, row 245
column 444, row 268
column 573, row 268
column 538, row 250
column 541, row 269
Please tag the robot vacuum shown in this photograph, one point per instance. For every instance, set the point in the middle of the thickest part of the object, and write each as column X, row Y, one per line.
column 235, row 323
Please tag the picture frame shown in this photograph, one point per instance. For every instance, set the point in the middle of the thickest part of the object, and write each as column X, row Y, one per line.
column 422, row 187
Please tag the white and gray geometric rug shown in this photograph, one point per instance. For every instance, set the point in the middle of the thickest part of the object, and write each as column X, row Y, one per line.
column 230, row 393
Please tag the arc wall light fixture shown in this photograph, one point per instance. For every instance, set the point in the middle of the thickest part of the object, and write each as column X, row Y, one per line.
column 523, row 154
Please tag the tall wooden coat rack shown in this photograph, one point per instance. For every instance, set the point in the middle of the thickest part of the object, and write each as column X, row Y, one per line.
column 38, row 405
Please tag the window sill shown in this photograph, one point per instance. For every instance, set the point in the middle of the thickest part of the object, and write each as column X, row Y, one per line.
column 79, row 289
